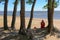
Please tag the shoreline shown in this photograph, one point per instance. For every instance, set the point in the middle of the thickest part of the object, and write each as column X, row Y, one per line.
column 34, row 17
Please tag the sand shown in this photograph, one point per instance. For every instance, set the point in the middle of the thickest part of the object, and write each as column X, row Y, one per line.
column 35, row 23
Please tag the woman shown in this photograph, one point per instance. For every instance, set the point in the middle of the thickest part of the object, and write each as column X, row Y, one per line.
column 42, row 24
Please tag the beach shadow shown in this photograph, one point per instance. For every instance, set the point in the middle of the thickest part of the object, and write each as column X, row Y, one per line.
column 56, row 32
column 1, row 29
column 14, row 34
column 8, row 35
column 15, row 37
column 39, row 34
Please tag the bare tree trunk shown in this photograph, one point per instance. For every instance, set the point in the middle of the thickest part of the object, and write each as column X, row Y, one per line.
column 14, row 15
column 5, row 15
column 50, row 15
column 22, row 17
column 31, row 16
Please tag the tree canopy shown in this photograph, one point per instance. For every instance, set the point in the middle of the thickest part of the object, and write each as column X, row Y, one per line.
column 55, row 5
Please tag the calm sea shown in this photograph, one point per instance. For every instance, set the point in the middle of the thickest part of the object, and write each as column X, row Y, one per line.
column 37, row 14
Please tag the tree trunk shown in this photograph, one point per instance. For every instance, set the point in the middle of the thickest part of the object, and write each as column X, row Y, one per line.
column 5, row 15
column 14, row 15
column 22, row 17
column 50, row 15
column 31, row 16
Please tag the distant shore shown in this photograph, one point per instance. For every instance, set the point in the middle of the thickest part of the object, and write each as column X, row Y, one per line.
column 35, row 23
column 37, row 14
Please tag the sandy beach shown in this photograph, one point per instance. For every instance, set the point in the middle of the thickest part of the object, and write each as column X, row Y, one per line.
column 35, row 23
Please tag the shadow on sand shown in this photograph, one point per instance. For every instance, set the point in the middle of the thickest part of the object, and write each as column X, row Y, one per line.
column 38, row 34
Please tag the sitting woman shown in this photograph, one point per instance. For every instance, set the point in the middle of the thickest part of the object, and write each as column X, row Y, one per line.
column 42, row 24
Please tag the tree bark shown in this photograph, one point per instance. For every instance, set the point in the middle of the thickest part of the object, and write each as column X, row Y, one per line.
column 50, row 15
column 5, row 15
column 22, row 17
column 31, row 16
column 14, row 15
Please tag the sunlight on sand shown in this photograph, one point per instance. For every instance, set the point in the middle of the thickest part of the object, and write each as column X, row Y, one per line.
column 35, row 23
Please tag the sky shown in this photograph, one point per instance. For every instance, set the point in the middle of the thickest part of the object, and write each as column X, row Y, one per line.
column 38, row 6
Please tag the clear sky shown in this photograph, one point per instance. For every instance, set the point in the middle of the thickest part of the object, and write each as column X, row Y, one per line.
column 38, row 6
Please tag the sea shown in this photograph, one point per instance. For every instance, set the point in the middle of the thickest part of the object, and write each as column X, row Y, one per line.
column 36, row 14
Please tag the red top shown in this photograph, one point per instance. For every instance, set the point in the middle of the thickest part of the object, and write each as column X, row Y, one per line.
column 42, row 24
